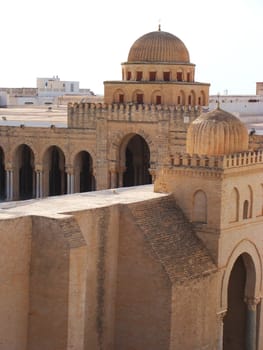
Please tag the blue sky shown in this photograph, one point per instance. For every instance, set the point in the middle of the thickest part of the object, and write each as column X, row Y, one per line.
column 87, row 41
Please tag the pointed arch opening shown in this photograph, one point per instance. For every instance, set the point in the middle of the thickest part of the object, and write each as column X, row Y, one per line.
column 235, row 319
column 2, row 176
column 135, row 159
column 83, row 171
column 55, row 180
column 24, row 174
column 240, row 322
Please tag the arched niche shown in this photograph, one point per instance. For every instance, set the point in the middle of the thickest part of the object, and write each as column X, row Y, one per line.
column 83, row 171
column 24, row 174
column 199, row 212
column 55, row 181
column 233, row 209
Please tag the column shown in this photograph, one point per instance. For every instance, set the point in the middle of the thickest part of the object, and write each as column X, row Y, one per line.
column 121, row 172
column 251, row 323
column 152, row 172
column 39, row 182
column 70, row 180
column 9, row 184
column 68, row 184
column 72, row 183
column 113, row 178
column 220, row 317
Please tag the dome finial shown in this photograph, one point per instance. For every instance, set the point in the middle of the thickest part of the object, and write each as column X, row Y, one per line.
column 159, row 25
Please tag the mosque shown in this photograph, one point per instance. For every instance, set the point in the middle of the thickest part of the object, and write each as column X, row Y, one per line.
column 167, row 252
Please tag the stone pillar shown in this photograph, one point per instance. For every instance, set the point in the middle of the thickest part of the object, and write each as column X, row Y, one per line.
column 152, row 171
column 39, row 182
column 220, row 317
column 121, row 172
column 70, row 180
column 9, row 184
column 251, row 323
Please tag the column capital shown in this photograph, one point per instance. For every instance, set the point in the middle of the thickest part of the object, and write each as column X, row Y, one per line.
column 69, row 169
column 221, row 314
column 252, row 302
column 38, row 168
column 9, row 166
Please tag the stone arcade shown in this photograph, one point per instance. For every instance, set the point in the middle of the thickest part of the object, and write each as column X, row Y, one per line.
column 173, row 265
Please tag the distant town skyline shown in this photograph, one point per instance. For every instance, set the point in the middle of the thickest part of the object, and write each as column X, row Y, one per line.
column 88, row 43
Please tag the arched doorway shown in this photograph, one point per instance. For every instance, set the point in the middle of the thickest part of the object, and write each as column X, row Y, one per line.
column 55, row 181
column 24, row 176
column 240, row 322
column 83, row 170
column 235, row 319
column 2, row 176
column 137, row 162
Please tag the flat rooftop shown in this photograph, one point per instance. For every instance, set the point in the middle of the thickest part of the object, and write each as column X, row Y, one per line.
column 57, row 205
column 36, row 116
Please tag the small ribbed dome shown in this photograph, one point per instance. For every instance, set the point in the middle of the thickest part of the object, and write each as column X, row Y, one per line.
column 216, row 133
column 158, row 47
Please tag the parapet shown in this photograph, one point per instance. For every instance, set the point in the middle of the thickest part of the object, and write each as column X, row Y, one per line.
column 85, row 115
column 217, row 162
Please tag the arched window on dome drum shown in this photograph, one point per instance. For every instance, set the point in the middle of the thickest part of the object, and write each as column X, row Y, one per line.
column 158, row 100
column 128, row 75
column 139, row 98
column 188, row 77
column 121, row 98
column 199, row 207
column 152, row 76
column 179, row 76
column 138, row 76
column 166, row 76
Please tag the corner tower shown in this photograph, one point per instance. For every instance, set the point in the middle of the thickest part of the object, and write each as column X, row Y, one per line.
column 158, row 71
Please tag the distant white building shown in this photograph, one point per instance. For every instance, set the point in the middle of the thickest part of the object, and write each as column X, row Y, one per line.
column 238, row 104
column 53, row 87
column 48, row 91
column 248, row 108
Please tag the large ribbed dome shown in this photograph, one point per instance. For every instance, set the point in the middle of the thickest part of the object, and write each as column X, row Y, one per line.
column 216, row 133
column 158, row 47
